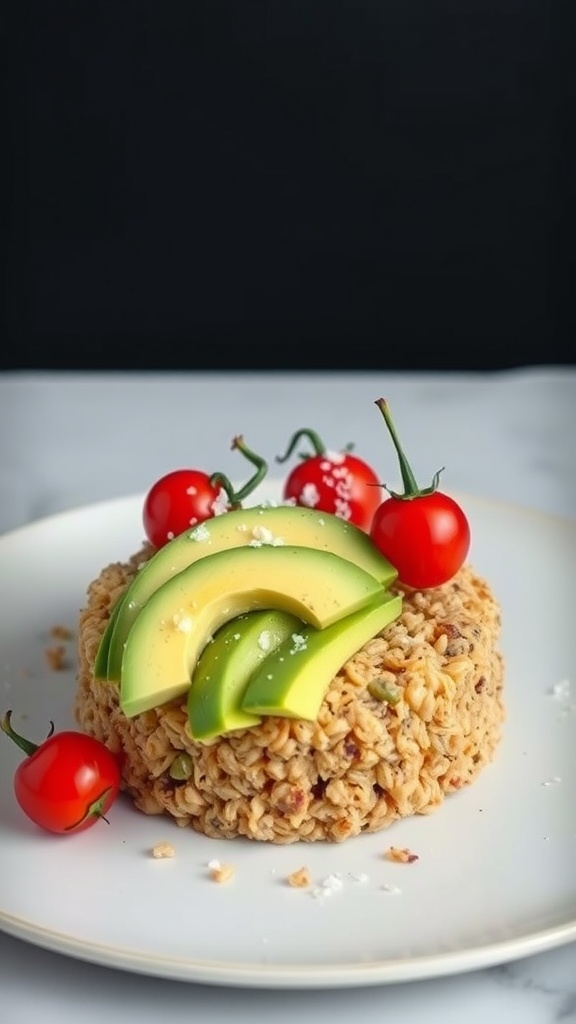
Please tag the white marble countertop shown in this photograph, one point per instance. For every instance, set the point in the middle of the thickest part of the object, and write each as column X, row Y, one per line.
column 70, row 439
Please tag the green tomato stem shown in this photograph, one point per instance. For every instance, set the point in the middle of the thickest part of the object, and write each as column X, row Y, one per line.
column 411, row 488
column 318, row 446
column 94, row 810
column 26, row 745
column 221, row 480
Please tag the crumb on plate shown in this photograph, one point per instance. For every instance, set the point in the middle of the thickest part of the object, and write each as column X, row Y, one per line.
column 61, row 632
column 220, row 872
column 400, row 855
column 163, row 851
column 299, row 879
column 56, row 658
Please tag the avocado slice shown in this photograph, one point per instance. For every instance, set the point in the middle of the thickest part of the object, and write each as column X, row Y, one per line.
column 264, row 525
column 225, row 666
column 177, row 621
column 292, row 681
column 101, row 660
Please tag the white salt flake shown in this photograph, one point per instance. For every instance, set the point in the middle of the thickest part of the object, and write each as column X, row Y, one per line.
column 200, row 533
column 332, row 882
column 361, row 876
column 561, row 691
column 390, row 890
column 220, row 504
column 182, row 622
column 262, row 535
column 309, row 496
column 336, row 458
column 299, row 643
column 265, row 640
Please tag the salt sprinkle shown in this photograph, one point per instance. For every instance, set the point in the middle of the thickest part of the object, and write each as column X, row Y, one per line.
column 391, row 890
column 182, row 622
column 309, row 496
column 262, row 535
column 561, row 691
column 299, row 642
column 334, row 457
column 220, row 504
column 200, row 532
column 332, row 883
column 361, row 877
column 265, row 640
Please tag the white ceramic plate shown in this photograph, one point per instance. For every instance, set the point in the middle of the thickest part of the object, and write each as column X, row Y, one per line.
column 495, row 878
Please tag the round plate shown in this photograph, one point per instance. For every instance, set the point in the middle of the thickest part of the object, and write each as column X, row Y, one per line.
column 494, row 879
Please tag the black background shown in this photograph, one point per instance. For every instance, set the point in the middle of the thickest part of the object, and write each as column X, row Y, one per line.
column 289, row 183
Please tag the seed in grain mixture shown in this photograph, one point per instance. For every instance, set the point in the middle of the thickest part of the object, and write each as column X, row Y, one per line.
column 364, row 764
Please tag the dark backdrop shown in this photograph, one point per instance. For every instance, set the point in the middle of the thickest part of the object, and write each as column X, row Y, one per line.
column 294, row 183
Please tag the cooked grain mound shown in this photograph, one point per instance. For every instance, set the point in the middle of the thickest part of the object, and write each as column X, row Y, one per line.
column 362, row 765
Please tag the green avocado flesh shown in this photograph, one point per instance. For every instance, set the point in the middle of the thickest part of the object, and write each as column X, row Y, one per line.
column 266, row 526
column 101, row 660
column 225, row 667
column 177, row 621
column 292, row 680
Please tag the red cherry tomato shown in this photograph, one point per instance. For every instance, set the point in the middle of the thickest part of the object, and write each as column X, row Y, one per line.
column 424, row 533
column 185, row 497
column 67, row 783
column 178, row 501
column 336, row 482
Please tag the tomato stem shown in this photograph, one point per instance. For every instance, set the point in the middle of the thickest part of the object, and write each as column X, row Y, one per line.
column 27, row 746
column 318, row 446
column 221, row 480
column 311, row 436
column 411, row 489
column 94, row 810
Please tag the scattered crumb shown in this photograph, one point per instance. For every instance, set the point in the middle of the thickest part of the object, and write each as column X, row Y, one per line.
column 220, row 872
column 61, row 633
column 390, row 890
column 300, row 879
column 56, row 655
column 400, row 855
column 56, row 658
column 163, row 851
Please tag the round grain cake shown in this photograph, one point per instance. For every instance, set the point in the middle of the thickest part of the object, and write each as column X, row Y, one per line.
column 368, row 760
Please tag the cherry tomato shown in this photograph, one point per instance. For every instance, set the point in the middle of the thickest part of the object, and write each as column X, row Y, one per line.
column 336, row 482
column 185, row 497
column 424, row 533
column 67, row 783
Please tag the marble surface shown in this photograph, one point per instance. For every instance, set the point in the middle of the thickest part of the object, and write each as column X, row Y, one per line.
column 71, row 439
